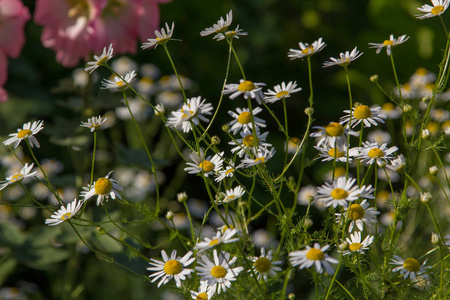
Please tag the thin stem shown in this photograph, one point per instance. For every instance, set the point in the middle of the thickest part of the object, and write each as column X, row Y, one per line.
column 93, row 158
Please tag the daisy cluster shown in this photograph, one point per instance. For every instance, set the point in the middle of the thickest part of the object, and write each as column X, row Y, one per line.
column 353, row 149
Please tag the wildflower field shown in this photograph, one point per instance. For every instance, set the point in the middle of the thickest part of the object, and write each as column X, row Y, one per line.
column 158, row 149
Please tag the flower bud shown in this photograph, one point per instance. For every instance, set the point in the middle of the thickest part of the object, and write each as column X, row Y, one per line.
column 434, row 238
column 425, row 134
column 374, row 78
column 309, row 111
column 291, row 296
column 182, row 197
column 425, row 197
column 407, row 108
column 169, row 215
column 226, row 127
column 433, row 170
column 215, row 140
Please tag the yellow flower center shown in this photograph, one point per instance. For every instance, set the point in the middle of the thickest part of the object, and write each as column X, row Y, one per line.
column 207, row 166
column 230, row 198
column 282, row 94
column 119, row 83
column 229, row 171
column 315, row 254
column 202, row 296
column 172, row 267
column 362, row 112
column 334, row 129
column 24, row 133
column 249, row 141
column 339, row 172
column 355, row 246
column 16, row 177
column 339, row 194
column 214, row 242
column 192, row 114
column 66, row 216
column 308, row 50
column 294, row 141
column 388, row 43
column 421, row 72
column 261, row 159
column 244, row 117
column 246, row 86
column 388, row 106
column 376, row 153
column 411, row 265
column 230, row 34
column 103, row 186
column 437, row 10
column 263, row 265
column 356, row 212
column 433, row 127
column 333, row 152
column 218, row 272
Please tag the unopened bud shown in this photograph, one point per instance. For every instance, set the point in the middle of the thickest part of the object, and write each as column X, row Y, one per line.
column 425, row 134
column 159, row 110
column 291, row 296
column 344, row 245
column 434, row 238
column 425, row 197
column 215, row 140
column 182, row 197
column 433, row 170
column 309, row 111
column 169, row 215
column 407, row 108
column 226, row 127
column 374, row 78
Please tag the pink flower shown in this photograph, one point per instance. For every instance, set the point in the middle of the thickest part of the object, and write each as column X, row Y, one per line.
column 75, row 29
column 13, row 16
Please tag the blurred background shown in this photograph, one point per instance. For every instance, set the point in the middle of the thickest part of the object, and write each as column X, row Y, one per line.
column 39, row 263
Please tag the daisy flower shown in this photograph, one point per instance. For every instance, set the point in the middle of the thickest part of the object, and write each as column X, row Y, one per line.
column 225, row 237
column 306, row 49
column 355, row 244
column 438, row 8
column 409, row 267
column 104, row 188
column 27, row 132
column 261, row 156
column 228, row 172
column 391, row 110
column 192, row 112
column 220, row 27
column 243, row 120
column 230, row 34
column 205, row 292
column 334, row 134
column 292, row 145
column 264, row 266
column 161, row 37
column 392, row 42
column 205, row 166
column 232, row 194
column 171, row 267
column 64, row 213
column 340, row 192
column 281, row 91
column 246, row 88
column 248, row 142
column 344, row 59
column 397, row 164
column 359, row 214
column 100, row 60
column 372, row 152
column 379, row 136
column 23, row 174
column 313, row 256
column 369, row 115
column 218, row 273
column 328, row 153
column 118, row 83
column 93, row 123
